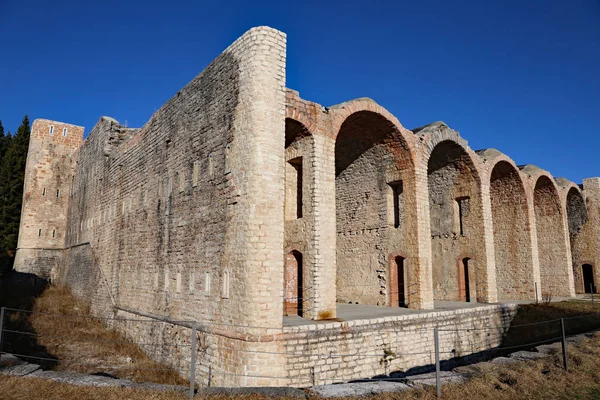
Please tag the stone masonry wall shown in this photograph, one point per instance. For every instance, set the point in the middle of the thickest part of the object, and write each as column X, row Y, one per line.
column 552, row 240
column 584, row 221
column 370, row 171
column 342, row 351
column 512, row 234
column 48, row 175
column 185, row 215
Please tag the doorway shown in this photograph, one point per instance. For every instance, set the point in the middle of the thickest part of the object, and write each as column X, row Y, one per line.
column 293, row 285
column 398, row 293
column 589, row 286
column 464, row 286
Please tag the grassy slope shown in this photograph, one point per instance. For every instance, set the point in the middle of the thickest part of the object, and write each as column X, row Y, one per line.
column 84, row 344
column 542, row 379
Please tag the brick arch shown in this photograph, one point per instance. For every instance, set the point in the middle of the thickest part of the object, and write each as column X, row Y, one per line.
column 553, row 252
column 575, row 207
column 456, row 215
column 512, row 230
column 374, row 183
column 341, row 112
column 294, row 131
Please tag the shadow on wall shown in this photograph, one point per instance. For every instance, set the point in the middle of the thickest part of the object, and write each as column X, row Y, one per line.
column 533, row 325
column 19, row 291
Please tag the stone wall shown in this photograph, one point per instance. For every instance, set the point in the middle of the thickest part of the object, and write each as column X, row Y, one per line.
column 583, row 210
column 48, row 175
column 342, row 351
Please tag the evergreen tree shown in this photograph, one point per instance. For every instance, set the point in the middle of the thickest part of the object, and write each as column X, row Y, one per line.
column 12, row 174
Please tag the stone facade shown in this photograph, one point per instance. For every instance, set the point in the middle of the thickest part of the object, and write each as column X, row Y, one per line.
column 239, row 203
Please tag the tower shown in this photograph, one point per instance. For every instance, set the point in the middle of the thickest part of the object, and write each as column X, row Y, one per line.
column 48, row 173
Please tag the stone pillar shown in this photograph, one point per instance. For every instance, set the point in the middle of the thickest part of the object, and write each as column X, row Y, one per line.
column 490, row 294
column 254, row 250
column 420, row 266
column 535, row 258
column 322, row 238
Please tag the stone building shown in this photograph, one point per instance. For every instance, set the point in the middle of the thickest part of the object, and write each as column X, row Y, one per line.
column 239, row 205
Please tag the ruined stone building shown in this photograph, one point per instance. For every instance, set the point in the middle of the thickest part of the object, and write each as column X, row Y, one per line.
column 239, row 205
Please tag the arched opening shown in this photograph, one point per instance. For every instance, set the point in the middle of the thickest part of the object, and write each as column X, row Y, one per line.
column 293, row 284
column 373, row 171
column 298, row 145
column 398, row 283
column 552, row 251
column 512, row 239
column 456, row 220
column 465, row 287
column 589, row 284
column 577, row 217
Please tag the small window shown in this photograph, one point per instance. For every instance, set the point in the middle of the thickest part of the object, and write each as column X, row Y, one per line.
column 39, row 232
column 156, row 280
column 397, row 202
column 43, row 191
column 192, row 282
column 225, row 289
column 53, row 233
column 207, row 283
column 211, row 166
column 195, row 172
column 65, row 132
column 463, row 211
column 57, row 193
column 178, row 287
column 52, row 129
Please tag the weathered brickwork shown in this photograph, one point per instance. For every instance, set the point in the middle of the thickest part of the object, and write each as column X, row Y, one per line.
column 239, row 206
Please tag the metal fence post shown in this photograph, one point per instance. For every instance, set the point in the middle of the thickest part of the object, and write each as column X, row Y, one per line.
column 564, row 343
column 193, row 363
column 436, row 343
column 1, row 329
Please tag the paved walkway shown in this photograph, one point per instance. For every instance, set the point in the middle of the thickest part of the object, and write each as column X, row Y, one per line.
column 349, row 312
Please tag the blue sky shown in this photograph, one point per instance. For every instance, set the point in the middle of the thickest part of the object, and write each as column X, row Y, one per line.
column 520, row 76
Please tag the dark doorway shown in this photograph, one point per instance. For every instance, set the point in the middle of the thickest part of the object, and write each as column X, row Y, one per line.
column 589, row 285
column 398, row 283
column 293, row 285
column 465, row 289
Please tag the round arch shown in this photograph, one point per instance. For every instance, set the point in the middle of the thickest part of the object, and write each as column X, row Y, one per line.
column 456, row 220
column 512, row 235
column 551, row 238
column 374, row 182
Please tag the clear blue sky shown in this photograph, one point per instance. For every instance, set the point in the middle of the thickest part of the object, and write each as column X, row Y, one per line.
column 520, row 76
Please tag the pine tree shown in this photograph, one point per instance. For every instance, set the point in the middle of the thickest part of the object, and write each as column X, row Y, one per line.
column 12, row 174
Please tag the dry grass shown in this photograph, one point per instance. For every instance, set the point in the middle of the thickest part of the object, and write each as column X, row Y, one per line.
column 542, row 379
column 84, row 344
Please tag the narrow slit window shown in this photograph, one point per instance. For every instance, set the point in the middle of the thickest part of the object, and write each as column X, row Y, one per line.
column 192, row 281
column 43, row 191
column 65, row 132
column 225, row 291
column 293, row 183
column 39, row 232
column 57, row 193
column 53, row 233
column 463, row 210
column 397, row 202
column 166, row 288
column 207, row 283
column 52, row 129
column 195, row 172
